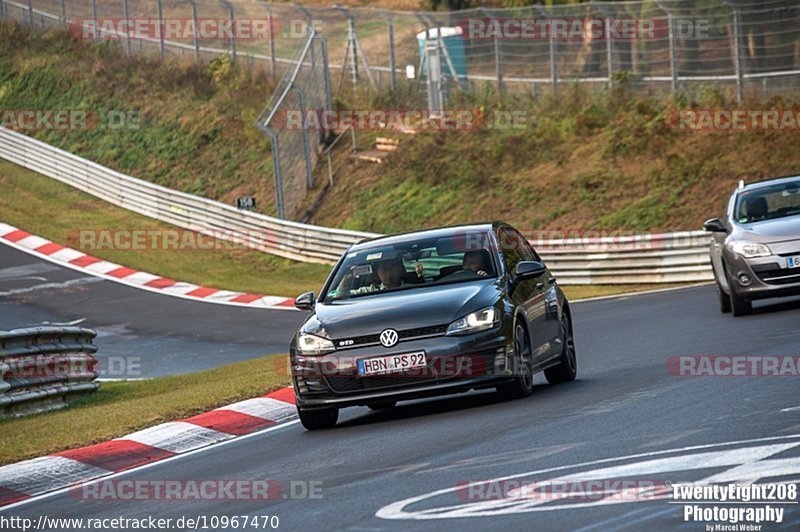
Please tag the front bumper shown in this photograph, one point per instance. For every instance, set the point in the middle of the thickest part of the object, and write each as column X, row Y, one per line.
column 454, row 364
column 768, row 276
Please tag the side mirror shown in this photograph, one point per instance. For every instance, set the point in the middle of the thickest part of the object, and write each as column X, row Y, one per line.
column 305, row 301
column 528, row 269
column 714, row 225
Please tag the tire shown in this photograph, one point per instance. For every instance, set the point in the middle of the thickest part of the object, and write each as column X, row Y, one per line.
column 739, row 305
column 724, row 300
column 522, row 385
column 325, row 418
column 382, row 406
column 567, row 369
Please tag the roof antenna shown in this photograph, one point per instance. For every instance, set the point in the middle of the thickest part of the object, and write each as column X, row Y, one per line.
column 741, row 184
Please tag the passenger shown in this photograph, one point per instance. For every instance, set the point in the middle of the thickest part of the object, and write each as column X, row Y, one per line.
column 474, row 261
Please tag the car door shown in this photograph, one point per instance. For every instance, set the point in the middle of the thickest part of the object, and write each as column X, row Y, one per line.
column 718, row 244
column 546, row 283
column 528, row 295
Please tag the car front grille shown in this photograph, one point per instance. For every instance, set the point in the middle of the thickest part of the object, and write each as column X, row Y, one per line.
column 407, row 334
column 356, row 384
column 479, row 365
column 780, row 276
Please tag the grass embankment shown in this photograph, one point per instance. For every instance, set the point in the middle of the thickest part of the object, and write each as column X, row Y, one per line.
column 29, row 200
column 195, row 130
column 119, row 408
column 605, row 161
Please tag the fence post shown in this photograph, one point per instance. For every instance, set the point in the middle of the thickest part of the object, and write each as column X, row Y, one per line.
column 392, row 60
column 306, row 144
column 232, row 16
column 30, row 12
column 276, row 165
column 553, row 51
column 326, row 73
column 64, row 12
column 128, row 26
column 160, row 9
column 738, row 56
column 196, row 31
column 271, row 41
column 673, row 53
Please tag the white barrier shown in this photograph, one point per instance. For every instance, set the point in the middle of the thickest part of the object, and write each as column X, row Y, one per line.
column 660, row 258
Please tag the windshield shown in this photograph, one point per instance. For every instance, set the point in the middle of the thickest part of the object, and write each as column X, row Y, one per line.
column 408, row 265
column 768, row 203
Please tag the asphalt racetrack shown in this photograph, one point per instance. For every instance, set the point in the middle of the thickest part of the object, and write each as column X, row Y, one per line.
column 627, row 416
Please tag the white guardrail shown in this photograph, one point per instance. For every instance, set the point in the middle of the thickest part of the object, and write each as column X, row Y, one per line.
column 651, row 258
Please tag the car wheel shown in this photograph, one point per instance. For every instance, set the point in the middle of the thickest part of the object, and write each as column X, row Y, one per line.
column 382, row 406
column 739, row 305
column 324, row 418
column 522, row 385
column 567, row 368
column 724, row 300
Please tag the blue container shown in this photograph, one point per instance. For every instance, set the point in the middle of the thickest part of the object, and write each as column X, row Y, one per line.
column 454, row 43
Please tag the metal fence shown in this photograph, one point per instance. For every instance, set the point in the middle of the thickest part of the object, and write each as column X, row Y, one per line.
column 295, row 150
column 41, row 368
column 657, row 258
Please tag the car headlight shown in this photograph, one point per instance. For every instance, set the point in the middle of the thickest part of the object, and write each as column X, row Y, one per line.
column 750, row 250
column 479, row 320
column 309, row 344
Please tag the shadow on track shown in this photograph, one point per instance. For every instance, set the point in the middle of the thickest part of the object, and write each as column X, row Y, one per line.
column 460, row 402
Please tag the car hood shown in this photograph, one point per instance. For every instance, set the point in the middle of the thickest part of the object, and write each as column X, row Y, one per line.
column 406, row 309
column 771, row 231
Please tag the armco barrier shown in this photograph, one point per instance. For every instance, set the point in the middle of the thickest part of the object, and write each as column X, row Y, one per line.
column 659, row 258
column 41, row 368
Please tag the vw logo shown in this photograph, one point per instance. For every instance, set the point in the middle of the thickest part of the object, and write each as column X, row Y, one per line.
column 388, row 337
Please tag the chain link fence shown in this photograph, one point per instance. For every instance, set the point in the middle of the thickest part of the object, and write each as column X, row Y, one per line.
column 750, row 47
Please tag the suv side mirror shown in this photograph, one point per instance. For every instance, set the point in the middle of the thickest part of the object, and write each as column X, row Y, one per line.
column 714, row 225
column 528, row 269
column 305, row 301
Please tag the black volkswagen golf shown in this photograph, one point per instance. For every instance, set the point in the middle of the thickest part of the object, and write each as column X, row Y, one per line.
column 430, row 313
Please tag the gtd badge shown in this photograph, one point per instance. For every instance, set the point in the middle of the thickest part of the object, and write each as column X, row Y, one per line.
column 388, row 337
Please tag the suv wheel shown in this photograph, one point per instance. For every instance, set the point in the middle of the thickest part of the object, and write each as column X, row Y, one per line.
column 522, row 385
column 724, row 300
column 568, row 367
column 739, row 305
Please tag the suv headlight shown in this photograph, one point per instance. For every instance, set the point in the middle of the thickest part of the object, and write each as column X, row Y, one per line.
column 479, row 320
column 750, row 250
column 309, row 344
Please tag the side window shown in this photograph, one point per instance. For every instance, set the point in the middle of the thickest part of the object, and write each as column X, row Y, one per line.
column 526, row 250
column 510, row 247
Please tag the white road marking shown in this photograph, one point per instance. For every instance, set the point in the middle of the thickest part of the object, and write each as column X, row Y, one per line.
column 51, row 286
column 746, row 463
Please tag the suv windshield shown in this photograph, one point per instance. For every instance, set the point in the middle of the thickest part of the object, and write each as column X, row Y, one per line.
column 767, row 203
column 407, row 265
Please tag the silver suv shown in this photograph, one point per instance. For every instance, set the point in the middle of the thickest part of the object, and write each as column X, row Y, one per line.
column 755, row 250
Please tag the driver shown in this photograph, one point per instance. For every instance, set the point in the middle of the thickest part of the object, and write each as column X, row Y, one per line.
column 391, row 273
column 474, row 261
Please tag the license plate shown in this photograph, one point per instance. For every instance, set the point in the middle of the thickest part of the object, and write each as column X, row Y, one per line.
column 390, row 364
column 793, row 262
